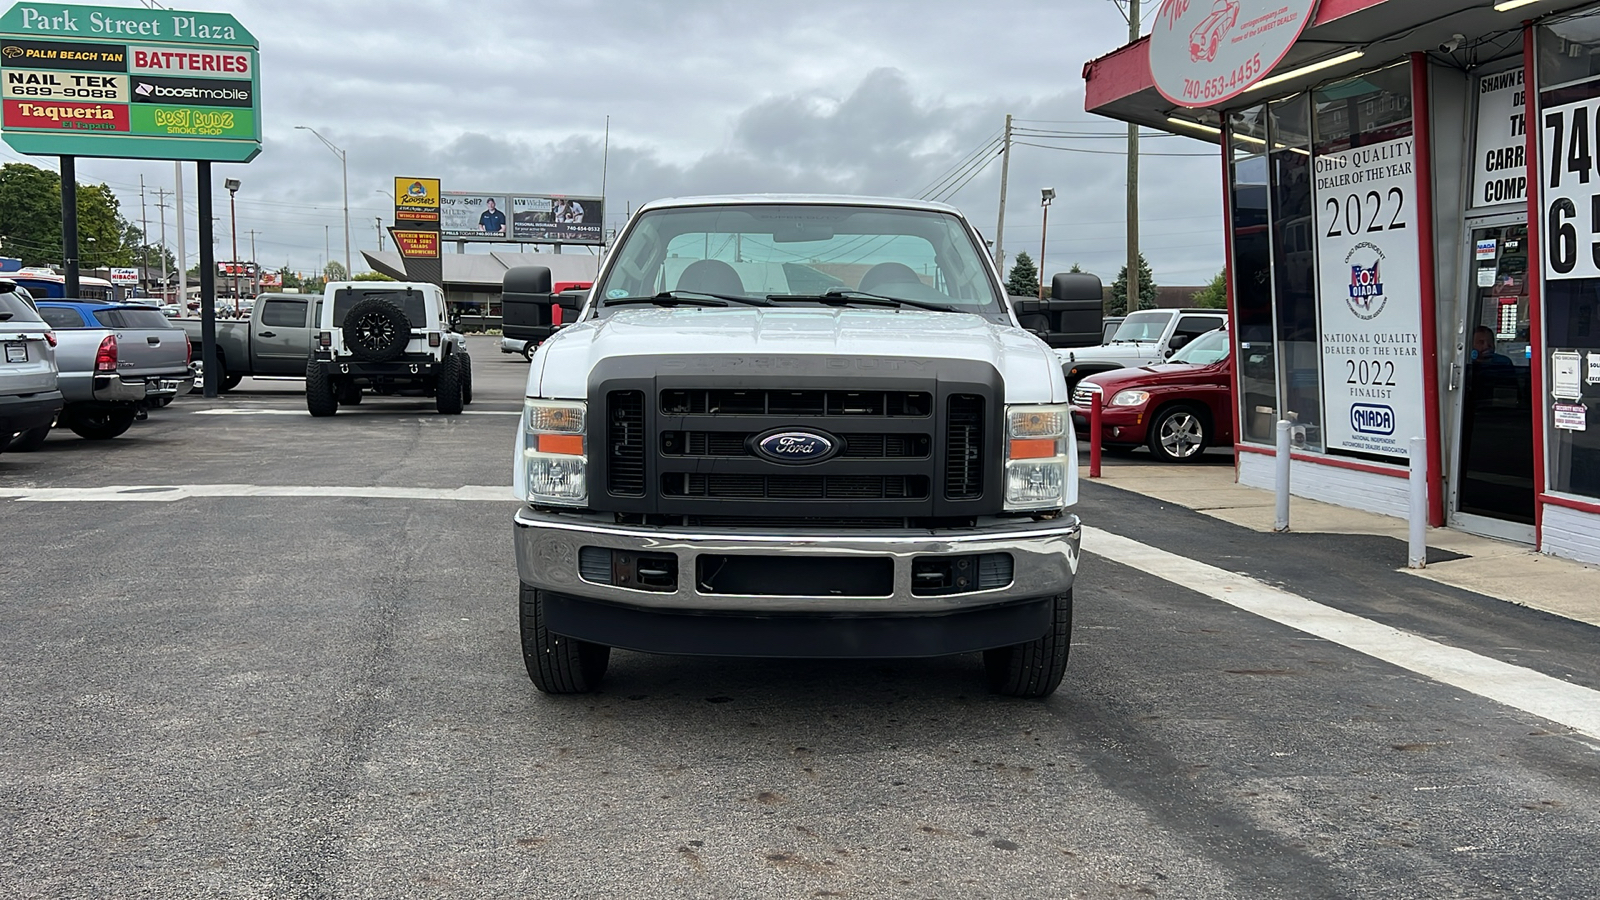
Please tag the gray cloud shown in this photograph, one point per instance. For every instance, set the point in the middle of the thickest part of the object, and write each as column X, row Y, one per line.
column 704, row 96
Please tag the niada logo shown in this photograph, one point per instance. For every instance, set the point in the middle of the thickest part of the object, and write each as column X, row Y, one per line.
column 1366, row 281
column 1372, row 418
column 795, row 447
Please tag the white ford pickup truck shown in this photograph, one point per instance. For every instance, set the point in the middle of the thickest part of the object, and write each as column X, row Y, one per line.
column 796, row 426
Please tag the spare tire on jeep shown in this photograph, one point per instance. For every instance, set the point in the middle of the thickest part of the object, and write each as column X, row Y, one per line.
column 376, row 330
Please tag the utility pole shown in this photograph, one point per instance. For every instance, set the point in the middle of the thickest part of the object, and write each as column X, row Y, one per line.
column 183, row 253
column 161, row 205
column 255, row 270
column 1133, row 183
column 144, row 232
column 379, row 221
column 1000, row 226
column 327, row 253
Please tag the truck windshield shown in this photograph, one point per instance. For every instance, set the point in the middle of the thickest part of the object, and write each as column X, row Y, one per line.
column 803, row 254
column 410, row 302
column 1143, row 326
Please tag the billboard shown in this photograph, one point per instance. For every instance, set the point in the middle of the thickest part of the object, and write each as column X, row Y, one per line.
column 416, row 201
column 470, row 216
column 520, row 218
column 129, row 83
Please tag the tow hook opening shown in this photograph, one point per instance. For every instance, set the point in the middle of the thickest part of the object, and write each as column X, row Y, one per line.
column 933, row 576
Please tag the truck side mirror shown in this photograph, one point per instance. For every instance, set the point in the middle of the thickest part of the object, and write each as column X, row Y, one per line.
column 1075, row 310
column 527, row 307
column 1177, row 342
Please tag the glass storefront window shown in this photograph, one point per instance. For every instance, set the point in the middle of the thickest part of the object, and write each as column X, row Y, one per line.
column 1568, row 51
column 1252, row 276
column 1295, row 269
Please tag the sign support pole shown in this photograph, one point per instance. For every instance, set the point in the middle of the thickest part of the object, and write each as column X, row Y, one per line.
column 208, row 281
column 69, row 223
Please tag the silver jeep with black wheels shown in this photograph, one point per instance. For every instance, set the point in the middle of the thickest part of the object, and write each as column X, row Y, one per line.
column 390, row 338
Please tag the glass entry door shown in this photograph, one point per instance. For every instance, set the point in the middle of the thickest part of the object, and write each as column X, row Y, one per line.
column 1492, row 479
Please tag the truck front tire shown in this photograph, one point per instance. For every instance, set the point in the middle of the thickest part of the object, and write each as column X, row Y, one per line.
column 466, row 379
column 321, row 398
column 1033, row 669
column 556, row 664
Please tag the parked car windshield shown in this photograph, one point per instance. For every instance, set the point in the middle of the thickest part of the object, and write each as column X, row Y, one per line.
column 1143, row 326
column 797, row 253
column 1208, row 348
column 411, row 302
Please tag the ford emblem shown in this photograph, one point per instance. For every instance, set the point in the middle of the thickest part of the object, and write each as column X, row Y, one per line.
column 796, row 447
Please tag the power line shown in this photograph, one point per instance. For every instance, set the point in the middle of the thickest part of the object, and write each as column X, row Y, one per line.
column 1110, row 152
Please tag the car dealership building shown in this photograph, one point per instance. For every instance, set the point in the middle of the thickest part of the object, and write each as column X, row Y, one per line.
column 1413, row 234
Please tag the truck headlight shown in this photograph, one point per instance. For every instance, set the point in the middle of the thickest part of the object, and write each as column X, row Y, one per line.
column 556, row 452
column 1036, row 456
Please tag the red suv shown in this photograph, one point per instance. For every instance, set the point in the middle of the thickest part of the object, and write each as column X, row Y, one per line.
column 1177, row 408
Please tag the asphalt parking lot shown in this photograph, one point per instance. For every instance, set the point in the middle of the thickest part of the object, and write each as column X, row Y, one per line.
column 252, row 654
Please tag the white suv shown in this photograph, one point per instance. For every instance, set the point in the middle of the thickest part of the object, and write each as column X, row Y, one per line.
column 388, row 338
column 29, row 395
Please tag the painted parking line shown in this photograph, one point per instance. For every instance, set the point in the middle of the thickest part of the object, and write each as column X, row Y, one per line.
column 1570, row 705
column 1533, row 692
column 168, row 493
column 303, row 413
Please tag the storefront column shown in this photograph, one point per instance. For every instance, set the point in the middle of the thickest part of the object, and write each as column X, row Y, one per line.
column 1227, row 264
column 1531, row 115
column 1422, row 132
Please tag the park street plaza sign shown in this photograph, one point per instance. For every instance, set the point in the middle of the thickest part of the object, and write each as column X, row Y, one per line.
column 129, row 83
column 1203, row 52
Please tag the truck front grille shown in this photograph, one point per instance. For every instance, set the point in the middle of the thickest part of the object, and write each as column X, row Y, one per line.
column 795, row 487
column 738, row 402
column 625, row 443
column 963, row 474
column 737, row 443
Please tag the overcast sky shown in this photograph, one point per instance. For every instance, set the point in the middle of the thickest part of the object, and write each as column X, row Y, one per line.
column 704, row 96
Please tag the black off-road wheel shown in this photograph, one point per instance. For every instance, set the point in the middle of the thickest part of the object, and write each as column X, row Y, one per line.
column 376, row 330
column 30, row 440
column 448, row 396
column 321, row 400
column 557, row 664
column 100, row 424
column 1034, row 669
column 349, row 394
column 466, row 378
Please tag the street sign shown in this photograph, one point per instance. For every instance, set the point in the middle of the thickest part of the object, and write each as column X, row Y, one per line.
column 129, row 83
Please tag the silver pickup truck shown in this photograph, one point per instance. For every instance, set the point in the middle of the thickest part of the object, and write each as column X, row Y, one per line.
column 274, row 340
column 116, row 360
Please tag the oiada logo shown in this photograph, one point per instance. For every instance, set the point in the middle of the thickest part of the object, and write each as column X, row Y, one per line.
column 1366, row 283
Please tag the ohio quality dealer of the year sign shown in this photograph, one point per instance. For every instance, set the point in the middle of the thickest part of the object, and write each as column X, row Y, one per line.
column 129, row 83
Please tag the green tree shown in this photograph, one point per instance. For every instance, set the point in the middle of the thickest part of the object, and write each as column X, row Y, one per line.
column 1118, row 304
column 1076, row 268
column 372, row 276
column 1024, row 280
column 334, row 271
column 30, row 220
column 290, row 279
column 1215, row 294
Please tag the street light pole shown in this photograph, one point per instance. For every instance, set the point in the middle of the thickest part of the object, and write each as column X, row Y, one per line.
column 1045, row 196
column 344, row 169
column 232, row 184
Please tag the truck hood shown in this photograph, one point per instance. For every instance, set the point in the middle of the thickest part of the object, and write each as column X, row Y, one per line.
column 1031, row 373
column 1110, row 351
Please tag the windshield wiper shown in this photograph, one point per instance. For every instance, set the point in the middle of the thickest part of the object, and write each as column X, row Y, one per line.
column 842, row 296
column 685, row 298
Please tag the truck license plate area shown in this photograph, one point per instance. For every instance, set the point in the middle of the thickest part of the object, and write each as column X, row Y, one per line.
column 16, row 352
column 794, row 576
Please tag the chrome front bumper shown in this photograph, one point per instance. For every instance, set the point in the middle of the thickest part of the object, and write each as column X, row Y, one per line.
column 1045, row 560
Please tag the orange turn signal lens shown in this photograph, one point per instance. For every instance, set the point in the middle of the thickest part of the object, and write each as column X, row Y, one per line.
column 566, row 444
column 1033, row 448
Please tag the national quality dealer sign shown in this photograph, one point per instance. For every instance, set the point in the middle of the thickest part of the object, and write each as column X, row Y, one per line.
column 129, row 83
column 1203, row 52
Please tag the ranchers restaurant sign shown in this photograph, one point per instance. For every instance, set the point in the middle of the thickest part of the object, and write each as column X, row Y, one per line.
column 1203, row 52
column 129, row 83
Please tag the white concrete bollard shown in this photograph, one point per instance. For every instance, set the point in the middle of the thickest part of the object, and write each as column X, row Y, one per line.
column 1417, row 552
column 1281, row 523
